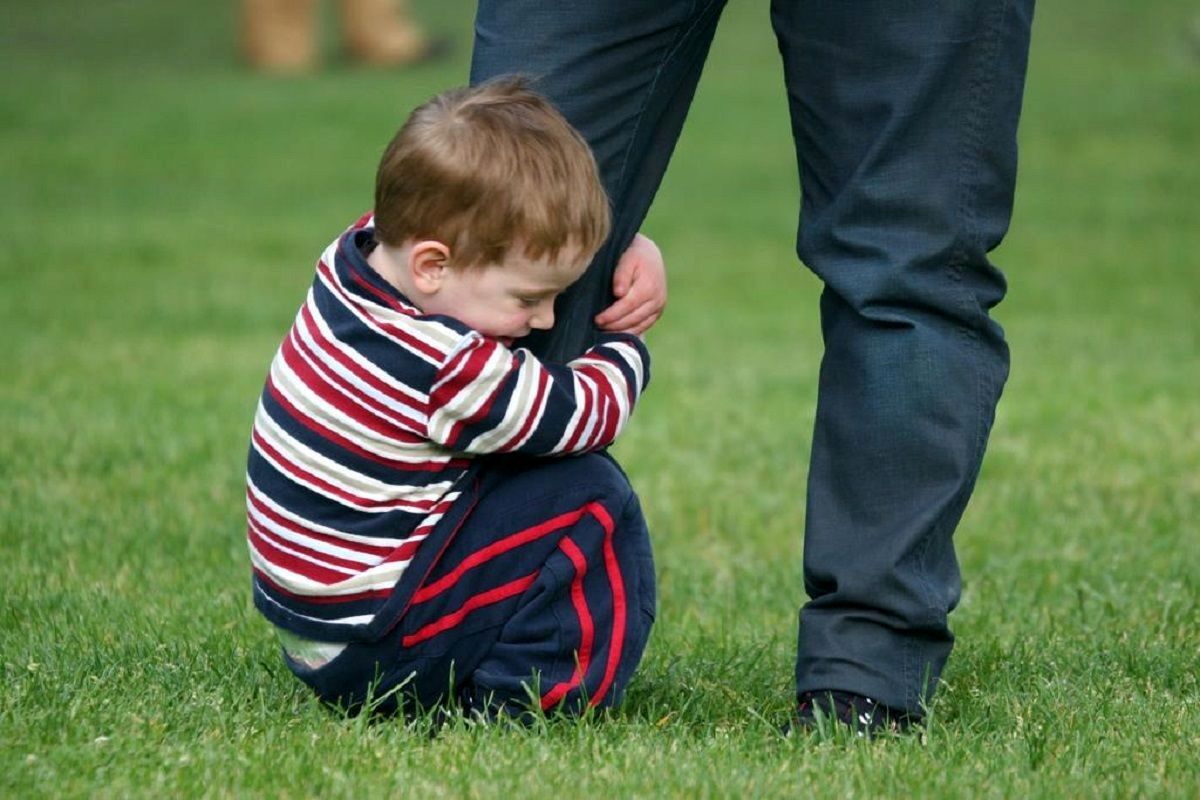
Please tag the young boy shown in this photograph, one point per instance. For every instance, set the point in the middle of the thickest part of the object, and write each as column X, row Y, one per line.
column 404, row 539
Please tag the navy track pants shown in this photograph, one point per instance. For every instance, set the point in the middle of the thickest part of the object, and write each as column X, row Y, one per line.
column 545, row 596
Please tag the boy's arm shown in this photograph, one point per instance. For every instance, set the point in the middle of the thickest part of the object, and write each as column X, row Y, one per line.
column 489, row 399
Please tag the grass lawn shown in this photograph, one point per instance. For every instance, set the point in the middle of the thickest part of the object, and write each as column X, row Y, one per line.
column 159, row 210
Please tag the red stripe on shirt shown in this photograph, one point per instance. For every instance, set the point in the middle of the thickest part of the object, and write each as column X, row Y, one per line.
column 464, row 379
column 335, row 351
column 407, row 550
column 609, row 412
column 410, row 341
column 324, row 600
column 293, row 563
column 334, row 389
column 379, row 294
column 341, row 441
column 321, row 561
column 299, row 473
column 584, row 415
column 622, row 367
column 531, row 413
column 282, row 521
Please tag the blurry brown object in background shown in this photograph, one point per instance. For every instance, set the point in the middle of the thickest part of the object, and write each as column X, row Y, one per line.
column 281, row 35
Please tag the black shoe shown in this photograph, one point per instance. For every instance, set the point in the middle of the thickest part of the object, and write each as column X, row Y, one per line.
column 862, row 715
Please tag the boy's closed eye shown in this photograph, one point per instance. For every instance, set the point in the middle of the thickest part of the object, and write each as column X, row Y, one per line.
column 533, row 300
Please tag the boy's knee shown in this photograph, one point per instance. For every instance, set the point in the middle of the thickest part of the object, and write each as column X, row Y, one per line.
column 592, row 477
column 604, row 479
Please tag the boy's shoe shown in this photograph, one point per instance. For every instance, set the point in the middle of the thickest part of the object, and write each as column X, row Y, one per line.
column 862, row 715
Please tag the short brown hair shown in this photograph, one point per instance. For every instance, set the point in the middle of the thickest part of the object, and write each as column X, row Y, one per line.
column 485, row 168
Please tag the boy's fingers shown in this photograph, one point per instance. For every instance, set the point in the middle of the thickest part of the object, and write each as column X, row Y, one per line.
column 623, row 276
column 642, row 325
column 617, row 310
column 636, row 320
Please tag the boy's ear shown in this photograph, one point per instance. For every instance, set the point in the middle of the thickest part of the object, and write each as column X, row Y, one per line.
column 428, row 261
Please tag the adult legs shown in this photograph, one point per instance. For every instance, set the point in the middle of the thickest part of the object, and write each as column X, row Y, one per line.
column 624, row 73
column 905, row 117
column 281, row 35
column 382, row 32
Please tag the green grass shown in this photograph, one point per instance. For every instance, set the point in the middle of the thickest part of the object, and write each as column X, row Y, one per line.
column 158, row 208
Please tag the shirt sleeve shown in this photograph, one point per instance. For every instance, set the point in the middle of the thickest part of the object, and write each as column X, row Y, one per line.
column 487, row 398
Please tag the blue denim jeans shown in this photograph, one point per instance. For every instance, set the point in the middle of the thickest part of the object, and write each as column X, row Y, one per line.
column 904, row 116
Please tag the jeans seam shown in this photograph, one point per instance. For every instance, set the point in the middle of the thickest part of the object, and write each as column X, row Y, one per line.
column 982, row 80
column 671, row 50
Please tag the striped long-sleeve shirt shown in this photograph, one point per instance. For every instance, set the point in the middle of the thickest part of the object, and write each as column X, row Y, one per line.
column 367, row 425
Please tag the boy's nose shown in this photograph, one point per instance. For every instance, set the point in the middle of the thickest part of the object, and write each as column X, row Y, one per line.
column 543, row 317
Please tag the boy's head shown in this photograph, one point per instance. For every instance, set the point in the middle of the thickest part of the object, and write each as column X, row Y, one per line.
column 488, row 169
column 496, row 178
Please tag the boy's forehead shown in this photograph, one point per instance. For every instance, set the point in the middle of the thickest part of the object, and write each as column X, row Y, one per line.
column 552, row 269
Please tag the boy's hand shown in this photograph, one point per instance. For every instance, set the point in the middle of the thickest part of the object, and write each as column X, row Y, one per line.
column 640, row 285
